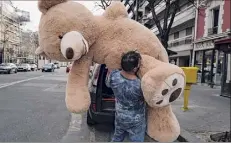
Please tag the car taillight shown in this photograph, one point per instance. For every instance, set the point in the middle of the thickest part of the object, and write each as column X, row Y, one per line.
column 94, row 106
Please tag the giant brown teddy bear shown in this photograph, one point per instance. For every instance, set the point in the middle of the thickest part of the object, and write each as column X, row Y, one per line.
column 68, row 31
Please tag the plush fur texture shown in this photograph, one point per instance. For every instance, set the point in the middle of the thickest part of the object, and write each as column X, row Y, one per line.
column 107, row 37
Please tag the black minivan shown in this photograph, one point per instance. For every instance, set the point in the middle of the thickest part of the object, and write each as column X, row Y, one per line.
column 102, row 108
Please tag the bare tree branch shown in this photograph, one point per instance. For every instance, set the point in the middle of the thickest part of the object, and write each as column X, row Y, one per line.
column 166, row 14
column 176, row 7
column 132, row 8
column 155, row 18
column 103, row 4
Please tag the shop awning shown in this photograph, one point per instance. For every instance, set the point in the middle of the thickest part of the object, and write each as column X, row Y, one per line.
column 181, row 54
column 223, row 45
column 170, row 52
column 223, row 41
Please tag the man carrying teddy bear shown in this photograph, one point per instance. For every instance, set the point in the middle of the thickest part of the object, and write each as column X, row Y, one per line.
column 130, row 105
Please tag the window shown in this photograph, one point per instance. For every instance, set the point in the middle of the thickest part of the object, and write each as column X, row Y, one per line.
column 215, row 17
column 189, row 31
column 176, row 35
column 215, row 22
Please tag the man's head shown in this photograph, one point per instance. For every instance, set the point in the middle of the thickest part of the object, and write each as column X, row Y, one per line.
column 130, row 61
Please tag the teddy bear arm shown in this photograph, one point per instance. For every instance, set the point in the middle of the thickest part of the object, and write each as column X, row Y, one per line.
column 161, row 82
column 77, row 93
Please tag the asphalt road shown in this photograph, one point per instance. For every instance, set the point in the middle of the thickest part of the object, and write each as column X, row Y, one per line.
column 32, row 107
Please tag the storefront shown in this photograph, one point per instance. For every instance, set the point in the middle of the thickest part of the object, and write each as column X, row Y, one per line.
column 209, row 62
column 224, row 45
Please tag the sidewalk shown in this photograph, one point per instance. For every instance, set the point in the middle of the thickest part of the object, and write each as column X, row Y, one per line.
column 208, row 113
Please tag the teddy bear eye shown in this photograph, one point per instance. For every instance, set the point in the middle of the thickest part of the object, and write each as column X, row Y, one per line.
column 60, row 36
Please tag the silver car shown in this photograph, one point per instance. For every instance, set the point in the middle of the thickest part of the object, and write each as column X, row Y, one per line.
column 8, row 68
column 34, row 67
column 24, row 67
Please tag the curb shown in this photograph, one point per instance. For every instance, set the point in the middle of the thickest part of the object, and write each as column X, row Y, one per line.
column 185, row 136
column 74, row 129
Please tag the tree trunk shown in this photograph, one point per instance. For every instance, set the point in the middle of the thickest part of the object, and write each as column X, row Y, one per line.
column 164, row 42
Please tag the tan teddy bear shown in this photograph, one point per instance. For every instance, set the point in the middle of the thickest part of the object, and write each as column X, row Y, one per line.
column 68, row 31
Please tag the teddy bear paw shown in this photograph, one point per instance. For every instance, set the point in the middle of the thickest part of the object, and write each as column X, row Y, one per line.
column 163, row 93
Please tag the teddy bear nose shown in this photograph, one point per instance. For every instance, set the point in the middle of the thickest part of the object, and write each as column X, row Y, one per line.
column 69, row 53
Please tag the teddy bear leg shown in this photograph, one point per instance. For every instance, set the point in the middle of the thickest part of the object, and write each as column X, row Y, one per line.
column 162, row 83
column 162, row 124
column 77, row 93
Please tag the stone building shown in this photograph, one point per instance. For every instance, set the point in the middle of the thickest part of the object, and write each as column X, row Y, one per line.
column 11, row 19
column 211, row 52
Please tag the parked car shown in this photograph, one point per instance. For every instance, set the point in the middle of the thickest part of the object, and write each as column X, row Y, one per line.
column 57, row 65
column 48, row 67
column 8, row 68
column 102, row 108
column 34, row 67
column 68, row 68
column 24, row 67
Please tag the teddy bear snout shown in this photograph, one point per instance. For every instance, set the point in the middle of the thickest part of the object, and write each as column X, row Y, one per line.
column 73, row 45
column 69, row 53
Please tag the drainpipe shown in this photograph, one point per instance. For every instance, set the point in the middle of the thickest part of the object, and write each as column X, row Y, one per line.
column 195, row 33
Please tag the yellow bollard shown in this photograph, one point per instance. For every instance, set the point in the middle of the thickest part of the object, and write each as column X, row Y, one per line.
column 186, row 96
column 191, row 78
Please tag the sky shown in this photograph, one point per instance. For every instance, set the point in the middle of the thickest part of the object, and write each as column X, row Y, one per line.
column 35, row 14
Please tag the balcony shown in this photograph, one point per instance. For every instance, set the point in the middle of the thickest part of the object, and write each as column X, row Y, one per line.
column 180, row 18
column 213, row 30
column 181, row 41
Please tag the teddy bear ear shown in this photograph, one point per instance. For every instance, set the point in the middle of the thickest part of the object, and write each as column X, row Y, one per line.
column 44, row 5
column 115, row 10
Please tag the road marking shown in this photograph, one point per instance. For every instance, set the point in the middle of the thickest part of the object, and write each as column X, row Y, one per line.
column 50, row 88
column 20, row 81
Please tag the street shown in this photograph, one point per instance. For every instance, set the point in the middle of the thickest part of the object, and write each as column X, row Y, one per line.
column 32, row 109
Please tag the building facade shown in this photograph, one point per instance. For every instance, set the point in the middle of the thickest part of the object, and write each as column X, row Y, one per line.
column 213, row 23
column 10, row 31
column 182, row 32
column 200, row 35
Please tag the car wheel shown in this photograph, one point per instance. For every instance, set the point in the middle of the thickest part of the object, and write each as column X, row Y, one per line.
column 15, row 71
column 90, row 122
column 9, row 72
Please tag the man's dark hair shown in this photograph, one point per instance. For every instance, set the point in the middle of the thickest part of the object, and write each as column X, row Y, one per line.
column 130, row 60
